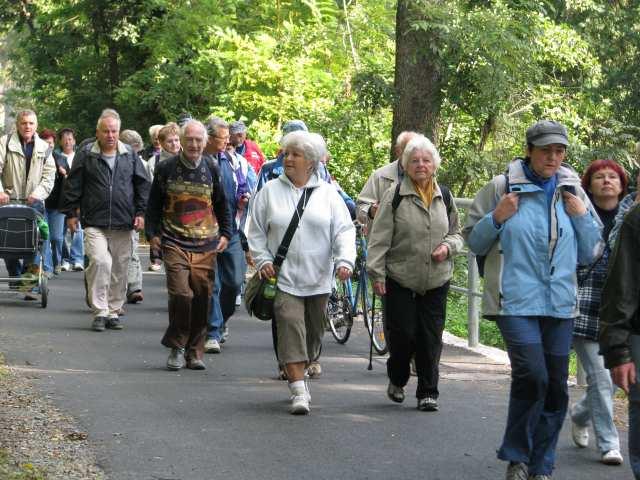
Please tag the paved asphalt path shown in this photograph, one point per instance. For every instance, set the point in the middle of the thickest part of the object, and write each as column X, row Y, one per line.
column 230, row 422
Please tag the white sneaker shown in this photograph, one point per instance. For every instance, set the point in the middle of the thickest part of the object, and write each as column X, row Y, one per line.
column 212, row 346
column 580, row 435
column 299, row 405
column 78, row 267
column 314, row 370
column 300, row 400
column 612, row 457
column 155, row 267
column 65, row 267
column 238, row 300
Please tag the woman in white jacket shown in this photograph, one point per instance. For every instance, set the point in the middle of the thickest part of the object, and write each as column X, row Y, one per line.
column 325, row 238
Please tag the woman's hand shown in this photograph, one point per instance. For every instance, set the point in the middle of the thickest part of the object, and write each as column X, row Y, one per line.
column 506, row 208
column 380, row 288
column 267, row 271
column 343, row 273
column 440, row 253
column 573, row 205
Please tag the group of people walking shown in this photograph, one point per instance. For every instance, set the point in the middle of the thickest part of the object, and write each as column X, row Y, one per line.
column 210, row 206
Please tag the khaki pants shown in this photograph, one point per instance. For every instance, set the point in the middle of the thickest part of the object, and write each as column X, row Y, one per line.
column 190, row 277
column 300, row 322
column 109, row 252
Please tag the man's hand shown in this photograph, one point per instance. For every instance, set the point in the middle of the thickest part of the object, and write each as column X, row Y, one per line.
column 249, row 259
column 222, row 244
column 373, row 209
column 72, row 224
column 573, row 205
column 155, row 244
column 267, row 271
column 4, row 198
column 624, row 376
column 138, row 223
column 440, row 253
column 506, row 208
column 62, row 171
column 31, row 200
column 343, row 273
column 380, row 288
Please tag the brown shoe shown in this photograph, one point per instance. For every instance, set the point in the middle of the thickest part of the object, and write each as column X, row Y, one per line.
column 196, row 364
column 135, row 297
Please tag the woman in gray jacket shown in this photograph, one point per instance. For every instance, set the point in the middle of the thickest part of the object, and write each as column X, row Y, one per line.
column 414, row 236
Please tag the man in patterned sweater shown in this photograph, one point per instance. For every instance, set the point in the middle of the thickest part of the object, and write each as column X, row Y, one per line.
column 187, row 217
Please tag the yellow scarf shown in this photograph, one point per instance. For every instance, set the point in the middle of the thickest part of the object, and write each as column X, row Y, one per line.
column 426, row 193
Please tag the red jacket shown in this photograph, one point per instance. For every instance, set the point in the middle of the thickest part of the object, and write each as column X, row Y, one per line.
column 251, row 151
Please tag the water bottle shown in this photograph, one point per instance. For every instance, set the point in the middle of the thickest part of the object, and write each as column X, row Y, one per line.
column 43, row 226
column 269, row 291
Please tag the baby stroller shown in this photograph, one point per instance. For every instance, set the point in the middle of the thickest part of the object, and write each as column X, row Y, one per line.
column 20, row 238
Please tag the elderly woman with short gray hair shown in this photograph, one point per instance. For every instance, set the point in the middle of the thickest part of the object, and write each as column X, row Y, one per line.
column 413, row 239
column 324, row 239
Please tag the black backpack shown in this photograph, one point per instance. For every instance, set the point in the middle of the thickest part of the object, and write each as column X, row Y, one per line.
column 480, row 259
column 446, row 197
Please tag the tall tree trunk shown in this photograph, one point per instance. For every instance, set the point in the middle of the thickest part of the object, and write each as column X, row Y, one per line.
column 114, row 69
column 418, row 79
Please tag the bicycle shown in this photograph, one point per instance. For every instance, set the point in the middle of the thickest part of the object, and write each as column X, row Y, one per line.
column 344, row 304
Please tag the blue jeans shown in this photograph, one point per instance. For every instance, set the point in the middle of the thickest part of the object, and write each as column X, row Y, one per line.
column 634, row 411
column 538, row 348
column 229, row 279
column 596, row 406
column 75, row 254
column 17, row 266
column 52, row 250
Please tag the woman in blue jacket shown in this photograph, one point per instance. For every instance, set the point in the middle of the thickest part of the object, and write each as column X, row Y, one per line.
column 534, row 225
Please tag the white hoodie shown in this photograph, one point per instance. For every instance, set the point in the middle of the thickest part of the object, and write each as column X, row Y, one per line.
column 325, row 234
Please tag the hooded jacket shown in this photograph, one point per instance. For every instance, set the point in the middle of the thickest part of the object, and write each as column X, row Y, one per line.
column 106, row 199
column 531, row 259
column 13, row 179
column 325, row 235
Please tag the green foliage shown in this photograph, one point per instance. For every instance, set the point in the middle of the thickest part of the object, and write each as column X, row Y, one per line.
column 504, row 64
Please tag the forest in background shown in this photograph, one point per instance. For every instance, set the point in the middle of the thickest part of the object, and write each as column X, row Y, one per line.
column 471, row 74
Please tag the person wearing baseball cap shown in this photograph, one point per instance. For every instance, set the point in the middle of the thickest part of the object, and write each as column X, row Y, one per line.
column 532, row 225
column 245, row 147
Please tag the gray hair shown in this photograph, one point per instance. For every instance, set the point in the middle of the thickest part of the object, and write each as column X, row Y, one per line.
column 402, row 140
column 109, row 113
column 133, row 138
column 214, row 124
column 312, row 146
column 197, row 123
column 26, row 113
column 153, row 131
column 423, row 144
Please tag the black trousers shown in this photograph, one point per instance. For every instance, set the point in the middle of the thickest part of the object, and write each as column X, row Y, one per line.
column 414, row 326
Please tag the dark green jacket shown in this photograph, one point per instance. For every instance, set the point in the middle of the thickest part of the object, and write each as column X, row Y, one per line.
column 619, row 314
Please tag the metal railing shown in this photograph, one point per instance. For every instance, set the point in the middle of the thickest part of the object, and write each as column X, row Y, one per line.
column 472, row 291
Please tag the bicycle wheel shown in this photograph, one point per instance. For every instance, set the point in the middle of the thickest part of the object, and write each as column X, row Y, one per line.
column 339, row 312
column 374, row 318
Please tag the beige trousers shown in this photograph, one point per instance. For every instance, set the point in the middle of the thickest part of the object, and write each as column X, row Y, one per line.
column 109, row 252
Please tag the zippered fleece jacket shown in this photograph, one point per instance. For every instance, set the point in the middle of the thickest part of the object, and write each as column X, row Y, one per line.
column 106, row 199
column 531, row 259
column 619, row 313
column 325, row 235
column 13, row 170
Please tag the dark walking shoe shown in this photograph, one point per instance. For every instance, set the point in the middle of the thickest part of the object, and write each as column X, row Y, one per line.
column 98, row 324
column 395, row 394
column 115, row 323
column 176, row 359
column 196, row 364
column 135, row 297
column 428, row 404
column 517, row 471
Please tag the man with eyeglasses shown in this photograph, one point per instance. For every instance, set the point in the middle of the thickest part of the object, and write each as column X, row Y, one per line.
column 231, row 264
